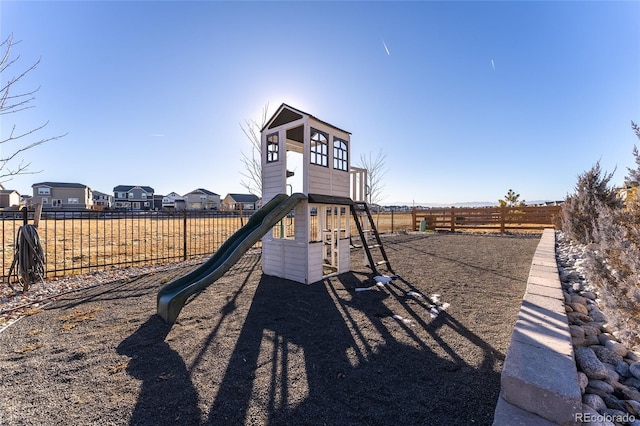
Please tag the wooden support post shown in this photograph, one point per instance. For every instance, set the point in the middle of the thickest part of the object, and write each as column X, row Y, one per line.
column 414, row 219
column 37, row 214
column 453, row 219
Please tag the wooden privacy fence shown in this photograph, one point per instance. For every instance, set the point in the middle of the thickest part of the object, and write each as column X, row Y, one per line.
column 500, row 219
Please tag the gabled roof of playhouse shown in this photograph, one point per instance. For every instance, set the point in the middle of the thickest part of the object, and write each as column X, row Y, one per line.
column 286, row 114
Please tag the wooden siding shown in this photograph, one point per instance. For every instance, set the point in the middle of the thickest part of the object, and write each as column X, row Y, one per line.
column 326, row 181
column 285, row 259
column 344, row 255
column 314, row 273
column 295, row 261
column 272, row 258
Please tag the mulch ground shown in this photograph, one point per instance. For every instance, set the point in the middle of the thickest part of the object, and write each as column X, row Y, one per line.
column 258, row 350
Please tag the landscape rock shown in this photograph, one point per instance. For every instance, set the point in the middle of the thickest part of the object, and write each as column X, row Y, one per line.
column 632, row 382
column 579, row 341
column 583, row 380
column 616, row 347
column 603, row 337
column 633, row 407
column 576, row 331
column 634, row 369
column 613, row 403
column 576, row 298
column 597, row 315
column 594, row 401
column 606, row 355
column 589, row 363
column 600, row 385
column 592, row 340
column 578, row 318
column 590, row 330
column 631, row 393
column 612, row 375
column 579, row 307
column 622, row 368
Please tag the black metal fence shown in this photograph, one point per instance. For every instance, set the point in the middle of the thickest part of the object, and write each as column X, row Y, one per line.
column 83, row 241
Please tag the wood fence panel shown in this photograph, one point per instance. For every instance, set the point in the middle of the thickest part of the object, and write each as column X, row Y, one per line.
column 487, row 218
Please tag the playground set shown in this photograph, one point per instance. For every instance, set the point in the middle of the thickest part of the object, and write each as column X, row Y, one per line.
column 306, row 234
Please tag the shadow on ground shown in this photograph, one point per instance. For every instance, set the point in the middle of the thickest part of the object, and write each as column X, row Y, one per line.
column 326, row 354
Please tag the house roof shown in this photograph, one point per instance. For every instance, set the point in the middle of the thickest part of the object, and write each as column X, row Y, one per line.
column 244, row 198
column 101, row 194
column 202, row 190
column 8, row 191
column 286, row 114
column 60, row 185
column 127, row 188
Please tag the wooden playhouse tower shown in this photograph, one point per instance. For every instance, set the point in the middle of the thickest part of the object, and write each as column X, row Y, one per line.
column 301, row 153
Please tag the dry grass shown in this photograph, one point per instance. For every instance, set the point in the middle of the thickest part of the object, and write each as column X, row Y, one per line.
column 33, row 311
column 35, row 332
column 81, row 245
column 76, row 246
column 30, row 347
column 78, row 316
column 117, row 368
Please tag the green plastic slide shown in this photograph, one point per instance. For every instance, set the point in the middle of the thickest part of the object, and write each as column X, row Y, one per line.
column 173, row 296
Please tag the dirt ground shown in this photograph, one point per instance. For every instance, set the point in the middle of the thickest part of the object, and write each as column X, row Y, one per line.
column 258, row 350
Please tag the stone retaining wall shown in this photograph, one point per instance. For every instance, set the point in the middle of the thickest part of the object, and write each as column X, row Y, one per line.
column 539, row 382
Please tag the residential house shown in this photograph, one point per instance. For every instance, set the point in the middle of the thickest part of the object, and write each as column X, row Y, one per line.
column 157, row 201
column 202, row 199
column 102, row 200
column 173, row 201
column 62, row 195
column 240, row 201
column 9, row 198
column 26, row 200
column 133, row 197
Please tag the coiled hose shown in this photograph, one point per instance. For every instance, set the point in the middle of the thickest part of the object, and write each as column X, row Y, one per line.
column 29, row 260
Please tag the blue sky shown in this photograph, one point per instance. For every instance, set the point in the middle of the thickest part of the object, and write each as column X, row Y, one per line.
column 471, row 99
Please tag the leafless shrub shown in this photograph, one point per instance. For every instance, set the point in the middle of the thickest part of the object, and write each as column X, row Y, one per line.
column 580, row 210
column 610, row 228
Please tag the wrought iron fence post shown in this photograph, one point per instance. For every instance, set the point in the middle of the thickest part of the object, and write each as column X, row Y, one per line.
column 392, row 219
column 184, row 233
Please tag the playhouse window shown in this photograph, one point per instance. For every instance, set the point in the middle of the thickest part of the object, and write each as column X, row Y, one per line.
column 340, row 158
column 319, row 150
column 272, row 148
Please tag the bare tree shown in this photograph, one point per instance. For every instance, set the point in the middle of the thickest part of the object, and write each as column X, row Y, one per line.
column 376, row 169
column 11, row 103
column 252, row 161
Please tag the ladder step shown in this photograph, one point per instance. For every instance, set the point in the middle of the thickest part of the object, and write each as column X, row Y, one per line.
column 382, row 262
